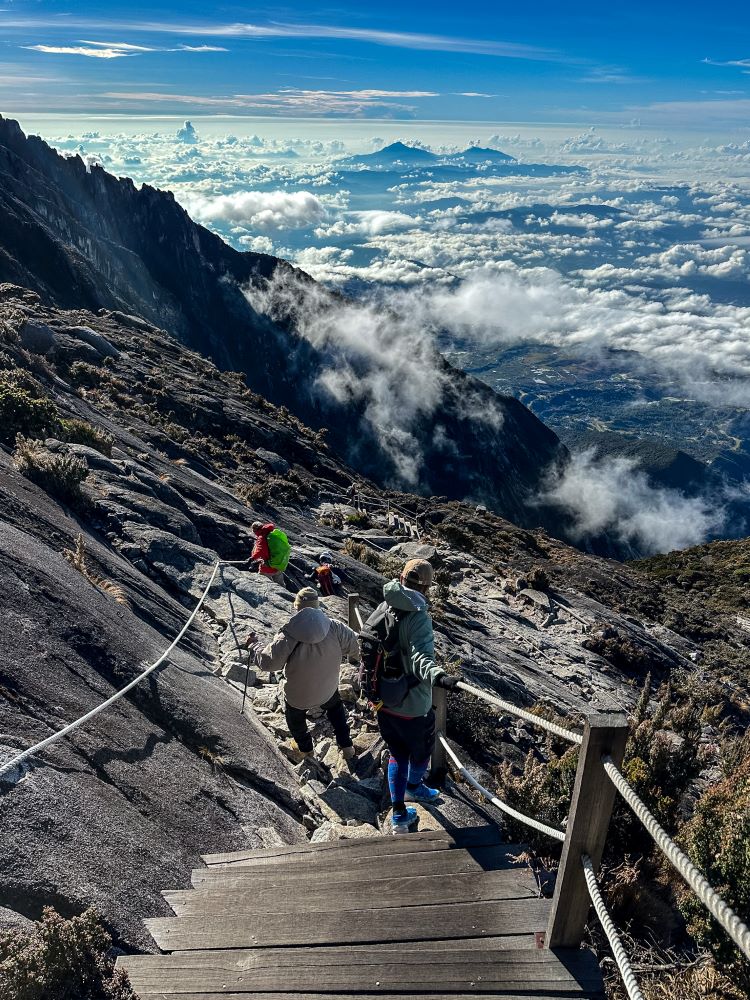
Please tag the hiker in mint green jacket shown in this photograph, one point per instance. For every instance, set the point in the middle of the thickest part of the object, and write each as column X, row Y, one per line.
column 409, row 729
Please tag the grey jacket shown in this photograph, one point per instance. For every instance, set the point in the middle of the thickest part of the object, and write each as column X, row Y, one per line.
column 417, row 646
column 309, row 649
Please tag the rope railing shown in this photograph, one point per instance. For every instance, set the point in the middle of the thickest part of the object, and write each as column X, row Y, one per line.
column 724, row 914
column 623, row 963
column 507, row 708
column 16, row 761
column 550, row 831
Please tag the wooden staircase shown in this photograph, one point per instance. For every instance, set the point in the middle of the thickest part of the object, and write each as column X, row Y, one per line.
column 426, row 915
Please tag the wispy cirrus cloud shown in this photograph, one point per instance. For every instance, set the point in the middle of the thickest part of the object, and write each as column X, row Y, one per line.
column 741, row 63
column 125, row 46
column 273, row 29
column 115, row 50
column 81, row 50
column 287, row 100
column 200, row 48
column 611, row 74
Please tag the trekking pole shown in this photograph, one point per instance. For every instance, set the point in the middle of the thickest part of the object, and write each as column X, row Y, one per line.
column 247, row 679
column 244, row 693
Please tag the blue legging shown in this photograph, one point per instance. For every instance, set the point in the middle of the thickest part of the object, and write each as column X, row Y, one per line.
column 403, row 774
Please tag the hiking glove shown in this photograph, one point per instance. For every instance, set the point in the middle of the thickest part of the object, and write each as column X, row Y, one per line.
column 447, row 681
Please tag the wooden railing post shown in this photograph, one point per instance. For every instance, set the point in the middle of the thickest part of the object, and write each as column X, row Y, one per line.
column 439, row 766
column 586, row 833
column 353, row 605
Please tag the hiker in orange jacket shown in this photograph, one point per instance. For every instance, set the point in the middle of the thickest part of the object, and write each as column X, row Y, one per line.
column 261, row 554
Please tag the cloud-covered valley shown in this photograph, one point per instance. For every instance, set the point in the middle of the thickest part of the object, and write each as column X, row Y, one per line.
column 602, row 277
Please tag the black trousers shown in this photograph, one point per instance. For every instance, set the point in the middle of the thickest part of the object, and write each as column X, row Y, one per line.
column 408, row 739
column 296, row 720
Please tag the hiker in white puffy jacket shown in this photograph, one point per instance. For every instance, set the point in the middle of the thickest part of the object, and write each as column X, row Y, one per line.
column 310, row 649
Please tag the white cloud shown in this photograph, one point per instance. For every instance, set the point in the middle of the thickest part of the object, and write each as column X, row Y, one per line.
column 115, row 50
column 261, row 209
column 371, row 223
column 614, row 496
column 80, row 50
column 369, row 349
column 202, row 48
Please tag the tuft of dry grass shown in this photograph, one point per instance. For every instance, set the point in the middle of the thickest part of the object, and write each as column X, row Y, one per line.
column 77, row 558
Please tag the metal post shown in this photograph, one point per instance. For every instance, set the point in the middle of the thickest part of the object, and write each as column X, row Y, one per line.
column 439, row 763
column 353, row 605
column 586, row 833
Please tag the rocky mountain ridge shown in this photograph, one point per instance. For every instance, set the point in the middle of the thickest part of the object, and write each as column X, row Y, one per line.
column 82, row 238
column 150, row 464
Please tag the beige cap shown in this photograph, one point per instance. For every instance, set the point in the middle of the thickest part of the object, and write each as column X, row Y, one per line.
column 257, row 525
column 418, row 571
column 307, row 598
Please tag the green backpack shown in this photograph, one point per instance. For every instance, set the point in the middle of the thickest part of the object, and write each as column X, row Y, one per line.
column 280, row 549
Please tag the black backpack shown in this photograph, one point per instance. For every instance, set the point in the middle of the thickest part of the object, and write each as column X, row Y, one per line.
column 382, row 674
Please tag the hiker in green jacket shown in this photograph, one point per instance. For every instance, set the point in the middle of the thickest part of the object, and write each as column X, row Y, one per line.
column 409, row 730
column 271, row 551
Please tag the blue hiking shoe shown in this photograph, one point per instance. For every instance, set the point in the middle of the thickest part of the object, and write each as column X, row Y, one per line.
column 422, row 793
column 401, row 823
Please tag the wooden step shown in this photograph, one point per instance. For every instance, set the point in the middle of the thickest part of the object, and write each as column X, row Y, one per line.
column 437, row 840
column 574, row 993
column 421, row 862
column 429, row 922
column 359, row 972
column 351, row 892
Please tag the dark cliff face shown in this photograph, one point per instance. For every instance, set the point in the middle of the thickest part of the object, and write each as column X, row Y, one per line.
column 83, row 238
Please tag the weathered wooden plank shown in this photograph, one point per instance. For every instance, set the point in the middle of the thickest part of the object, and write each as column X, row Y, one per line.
column 440, row 921
column 359, row 971
column 455, row 861
column 352, row 893
column 567, row 995
column 436, row 840
column 429, row 840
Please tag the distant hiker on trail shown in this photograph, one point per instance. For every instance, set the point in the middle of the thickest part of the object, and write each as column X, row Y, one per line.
column 310, row 649
column 271, row 550
column 398, row 673
column 325, row 575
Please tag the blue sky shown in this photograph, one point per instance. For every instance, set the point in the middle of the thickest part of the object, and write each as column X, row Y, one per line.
column 660, row 63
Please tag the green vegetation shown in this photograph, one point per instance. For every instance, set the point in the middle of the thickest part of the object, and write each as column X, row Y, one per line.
column 80, row 432
column 23, row 409
column 357, row 519
column 59, row 475
column 717, row 573
column 717, row 839
column 620, row 650
column 363, row 553
column 61, row 960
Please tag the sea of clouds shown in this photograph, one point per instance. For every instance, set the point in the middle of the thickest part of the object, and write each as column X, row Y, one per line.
column 645, row 249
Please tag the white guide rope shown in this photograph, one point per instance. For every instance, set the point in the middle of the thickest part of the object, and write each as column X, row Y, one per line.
column 550, row 831
column 623, row 964
column 508, row 709
column 735, row 928
column 11, row 764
